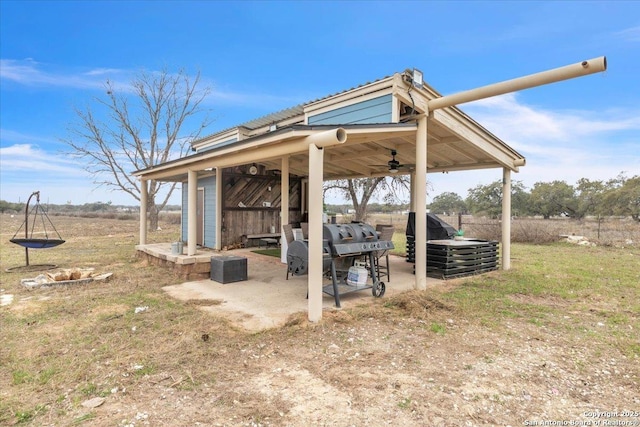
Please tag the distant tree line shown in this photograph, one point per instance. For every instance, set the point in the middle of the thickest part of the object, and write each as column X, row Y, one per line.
column 371, row 207
column 619, row 196
column 95, row 207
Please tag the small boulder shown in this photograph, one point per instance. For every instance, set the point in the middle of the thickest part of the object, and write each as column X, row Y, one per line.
column 93, row 403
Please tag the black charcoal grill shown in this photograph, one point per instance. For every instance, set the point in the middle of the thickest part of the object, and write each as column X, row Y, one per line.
column 437, row 229
column 343, row 245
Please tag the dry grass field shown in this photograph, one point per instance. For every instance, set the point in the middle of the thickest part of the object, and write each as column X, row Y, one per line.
column 556, row 339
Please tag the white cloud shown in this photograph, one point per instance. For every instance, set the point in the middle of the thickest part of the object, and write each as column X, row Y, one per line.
column 29, row 159
column 25, row 168
column 9, row 136
column 30, row 73
column 249, row 98
column 556, row 133
column 16, row 150
column 629, row 34
column 517, row 121
column 103, row 71
column 558, row 145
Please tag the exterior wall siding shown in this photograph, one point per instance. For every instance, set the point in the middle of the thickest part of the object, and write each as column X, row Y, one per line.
column 209, row 185
column 376, row 110
column 217, row 144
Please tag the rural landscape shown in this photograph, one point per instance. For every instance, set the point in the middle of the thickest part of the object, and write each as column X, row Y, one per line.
column 158, row 138
column 553, row 340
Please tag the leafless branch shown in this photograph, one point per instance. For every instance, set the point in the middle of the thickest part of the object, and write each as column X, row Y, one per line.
column 138, row 129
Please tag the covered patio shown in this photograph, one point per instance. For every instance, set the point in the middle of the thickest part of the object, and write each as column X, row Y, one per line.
column 397, row 124
column 266, row 300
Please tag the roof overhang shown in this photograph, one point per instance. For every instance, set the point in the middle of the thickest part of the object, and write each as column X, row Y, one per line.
column 455, row 143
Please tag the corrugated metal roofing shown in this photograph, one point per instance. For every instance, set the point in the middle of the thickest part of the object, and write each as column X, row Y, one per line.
column 274, row 117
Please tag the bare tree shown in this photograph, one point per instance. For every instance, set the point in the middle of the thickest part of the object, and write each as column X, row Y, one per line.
column 361, row 190
column 141, row 126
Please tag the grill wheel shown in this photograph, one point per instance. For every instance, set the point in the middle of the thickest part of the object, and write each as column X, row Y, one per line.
column 378, row 289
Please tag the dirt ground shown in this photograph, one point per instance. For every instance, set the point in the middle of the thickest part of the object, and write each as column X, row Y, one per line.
column 371, row 367
column 388, row 372
column 410, row 359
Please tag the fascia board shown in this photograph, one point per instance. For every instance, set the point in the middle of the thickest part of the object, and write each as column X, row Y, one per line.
column 207, row 143
column 342, row 99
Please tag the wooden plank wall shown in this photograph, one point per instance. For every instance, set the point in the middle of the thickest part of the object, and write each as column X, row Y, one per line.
column 244, row 210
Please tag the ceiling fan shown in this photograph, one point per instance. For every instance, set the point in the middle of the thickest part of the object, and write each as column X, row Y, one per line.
column 394, row 165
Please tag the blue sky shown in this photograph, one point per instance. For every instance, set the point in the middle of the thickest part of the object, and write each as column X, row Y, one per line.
column 261, row 57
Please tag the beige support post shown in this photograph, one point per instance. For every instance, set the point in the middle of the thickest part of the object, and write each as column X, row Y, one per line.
column 143, row 211
column 412, row 191
column 284, row 206
column 316, row 176
column 421, row 204
column 192, row 214
column 219, row 186
column 316, row 171
column 506, row 218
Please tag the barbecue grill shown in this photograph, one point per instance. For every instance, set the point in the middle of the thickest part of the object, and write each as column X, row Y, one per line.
column 436, row 229
column 447, row 258
column 344, row 245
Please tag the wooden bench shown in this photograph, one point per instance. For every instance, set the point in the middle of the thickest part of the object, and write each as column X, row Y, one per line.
column 267, row 238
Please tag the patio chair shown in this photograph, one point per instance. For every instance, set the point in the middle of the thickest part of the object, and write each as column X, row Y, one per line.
column 305, row 230
column 386, row 233
column 288, row 235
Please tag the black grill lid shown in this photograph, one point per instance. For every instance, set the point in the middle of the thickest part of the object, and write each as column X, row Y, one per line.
column 437, row 229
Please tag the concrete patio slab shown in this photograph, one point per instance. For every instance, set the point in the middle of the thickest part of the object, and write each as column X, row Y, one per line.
column 266, row 299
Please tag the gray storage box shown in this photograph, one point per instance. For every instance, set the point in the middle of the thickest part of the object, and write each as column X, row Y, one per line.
column 227, row 269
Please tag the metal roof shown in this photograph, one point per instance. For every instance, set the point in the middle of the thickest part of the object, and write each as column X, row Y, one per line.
column 285, row 114
column 274, row 117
